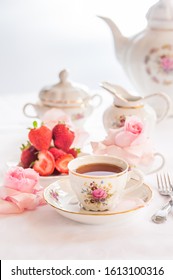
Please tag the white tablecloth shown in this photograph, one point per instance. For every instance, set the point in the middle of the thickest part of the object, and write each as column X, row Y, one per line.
column 44, row 234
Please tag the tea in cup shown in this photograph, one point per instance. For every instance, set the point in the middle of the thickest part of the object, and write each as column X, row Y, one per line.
column 100, row 181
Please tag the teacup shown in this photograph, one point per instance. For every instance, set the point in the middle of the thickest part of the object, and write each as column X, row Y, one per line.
column 99, row 182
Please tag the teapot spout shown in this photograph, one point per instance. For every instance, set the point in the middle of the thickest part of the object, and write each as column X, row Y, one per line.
column 121, row 43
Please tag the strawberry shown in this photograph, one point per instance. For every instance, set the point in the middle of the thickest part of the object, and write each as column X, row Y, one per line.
column 61, row 164
column 62, row 136
column 74, row 152
column 40, row 137
column 28, row 155
column 56, row 152
column 45, row 164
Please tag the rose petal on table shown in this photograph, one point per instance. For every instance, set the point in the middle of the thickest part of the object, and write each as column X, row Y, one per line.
column 11, row 199
column 7, row 207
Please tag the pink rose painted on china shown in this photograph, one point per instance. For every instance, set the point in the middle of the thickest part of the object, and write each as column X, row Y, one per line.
column 99, row 194
column 166, row 63
column 159, row 64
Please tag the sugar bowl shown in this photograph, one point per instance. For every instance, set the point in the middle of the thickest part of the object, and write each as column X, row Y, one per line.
column 75, row 100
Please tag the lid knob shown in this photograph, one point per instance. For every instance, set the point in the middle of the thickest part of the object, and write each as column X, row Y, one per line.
column 63, row 75
column 63, row 93
column 160, row 15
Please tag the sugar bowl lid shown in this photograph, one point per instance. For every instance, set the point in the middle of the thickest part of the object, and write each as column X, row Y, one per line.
column 64, row 93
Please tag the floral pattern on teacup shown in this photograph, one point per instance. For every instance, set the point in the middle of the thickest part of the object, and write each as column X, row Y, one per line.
column 97, row 194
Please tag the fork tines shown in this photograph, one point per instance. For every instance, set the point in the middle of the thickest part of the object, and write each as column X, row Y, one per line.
column 164, row 182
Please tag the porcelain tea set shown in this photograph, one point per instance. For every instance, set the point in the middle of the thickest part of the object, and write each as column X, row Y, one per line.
column 91, row 199
column 148, row 61
column 78, row 103
column 147, row 57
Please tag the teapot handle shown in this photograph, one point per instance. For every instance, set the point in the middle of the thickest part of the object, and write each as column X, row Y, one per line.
column 167, row 101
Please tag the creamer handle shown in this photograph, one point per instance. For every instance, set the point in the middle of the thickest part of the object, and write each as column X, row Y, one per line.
column 167, row 101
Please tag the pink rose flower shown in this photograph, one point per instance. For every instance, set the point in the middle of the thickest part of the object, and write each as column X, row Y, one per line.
column 24, row 180
column 129, row 142
column 99, row 194
column 133, row 127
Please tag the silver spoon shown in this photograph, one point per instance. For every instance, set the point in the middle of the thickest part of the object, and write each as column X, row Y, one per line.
column 161, row 215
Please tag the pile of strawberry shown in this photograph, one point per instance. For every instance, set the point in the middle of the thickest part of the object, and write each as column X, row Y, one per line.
column 48, row 151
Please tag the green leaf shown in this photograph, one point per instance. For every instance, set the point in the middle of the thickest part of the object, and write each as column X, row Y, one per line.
column 25, row 146
column 78, row 150
column 35, row 124
column 31, row 164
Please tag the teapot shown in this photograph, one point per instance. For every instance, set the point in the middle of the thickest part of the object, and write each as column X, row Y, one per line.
column 125, row 104
column 72, row 99
column 147, row 58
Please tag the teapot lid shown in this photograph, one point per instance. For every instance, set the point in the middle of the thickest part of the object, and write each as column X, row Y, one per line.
column 63, row 93
column 160, row 15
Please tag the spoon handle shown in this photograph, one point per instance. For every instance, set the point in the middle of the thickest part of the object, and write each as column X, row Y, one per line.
column 161, row 215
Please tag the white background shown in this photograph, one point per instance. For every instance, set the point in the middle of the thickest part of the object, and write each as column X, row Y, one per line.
column 38, row 38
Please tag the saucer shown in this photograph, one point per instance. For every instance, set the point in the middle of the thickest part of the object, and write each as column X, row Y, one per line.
column 61, row 197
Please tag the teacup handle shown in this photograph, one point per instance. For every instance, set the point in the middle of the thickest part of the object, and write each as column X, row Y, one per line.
column 162, row 163
column 25, row 110
column 167, row 102
column 135, row 174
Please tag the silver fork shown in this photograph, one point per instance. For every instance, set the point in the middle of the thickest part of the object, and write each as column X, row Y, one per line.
column 165, row 187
